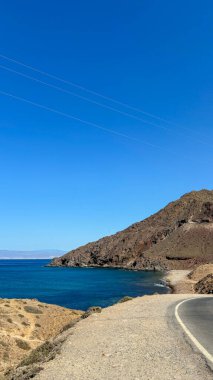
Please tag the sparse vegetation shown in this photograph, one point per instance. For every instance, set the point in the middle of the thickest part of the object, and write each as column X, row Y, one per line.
column 125, row 299
column 26, row 321
column 3, row 344
column 92, row 310
column 32, row 310
column 6, row 356
column 23, row 373
column 45, row 352
column 39, row 354
column 69, row 325
column 22, row 344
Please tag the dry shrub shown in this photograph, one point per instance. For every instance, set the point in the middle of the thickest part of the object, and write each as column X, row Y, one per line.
column 125, row 299
column 22, row 344
column 32, row 310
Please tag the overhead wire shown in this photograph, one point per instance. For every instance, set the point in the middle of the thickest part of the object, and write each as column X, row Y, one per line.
column 82, row 87
column 95, row 102
column 61, row 113
column 95, row 93
column 91, row 124
column 82, row 97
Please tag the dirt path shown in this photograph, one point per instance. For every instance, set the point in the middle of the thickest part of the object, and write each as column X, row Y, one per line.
column 138, row 339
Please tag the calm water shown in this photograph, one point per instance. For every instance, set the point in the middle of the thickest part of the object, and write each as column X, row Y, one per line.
column 76, row 288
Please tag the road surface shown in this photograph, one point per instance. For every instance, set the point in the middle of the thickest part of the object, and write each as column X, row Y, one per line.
column 196, row 317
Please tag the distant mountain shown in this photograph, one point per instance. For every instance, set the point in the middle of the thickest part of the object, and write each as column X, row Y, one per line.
column 178, row 236
column 40, row 254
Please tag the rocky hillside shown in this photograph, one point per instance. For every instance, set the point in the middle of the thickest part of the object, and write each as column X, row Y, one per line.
column 205, row 286
column 177, row 237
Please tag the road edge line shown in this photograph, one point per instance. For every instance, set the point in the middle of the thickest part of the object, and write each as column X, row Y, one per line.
column 207, row 355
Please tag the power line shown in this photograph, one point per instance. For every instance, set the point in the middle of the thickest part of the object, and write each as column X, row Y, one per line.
column 82, row 97
column 98, row 94
column 91, row 124
column 94, row 102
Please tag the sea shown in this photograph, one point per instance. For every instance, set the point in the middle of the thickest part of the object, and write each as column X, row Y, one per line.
column 75, row 288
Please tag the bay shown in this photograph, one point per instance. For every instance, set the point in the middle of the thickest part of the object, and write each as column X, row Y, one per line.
column 77, row 288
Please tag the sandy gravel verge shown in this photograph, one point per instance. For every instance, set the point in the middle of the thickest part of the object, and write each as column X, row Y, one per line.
column 183, row 281
column 138, row 339
column 179, row 282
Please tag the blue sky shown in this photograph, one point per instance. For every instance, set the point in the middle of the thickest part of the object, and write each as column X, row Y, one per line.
column 63, row 182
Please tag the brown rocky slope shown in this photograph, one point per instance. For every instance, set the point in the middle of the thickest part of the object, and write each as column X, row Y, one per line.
column 205, row 285
column 180, row 236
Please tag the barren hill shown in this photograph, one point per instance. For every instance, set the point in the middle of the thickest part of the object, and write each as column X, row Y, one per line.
column 177, row 237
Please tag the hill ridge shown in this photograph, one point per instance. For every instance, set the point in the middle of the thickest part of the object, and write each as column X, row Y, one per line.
column 180, row 235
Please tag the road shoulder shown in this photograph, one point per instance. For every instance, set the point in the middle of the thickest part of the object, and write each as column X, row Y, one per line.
column 134, row 340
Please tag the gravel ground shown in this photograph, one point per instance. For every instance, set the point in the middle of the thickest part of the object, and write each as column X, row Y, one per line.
column 175, row 276
column 135, row 340
column 179, row 281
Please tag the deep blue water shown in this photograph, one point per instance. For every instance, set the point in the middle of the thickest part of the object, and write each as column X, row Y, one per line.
column 76, row 288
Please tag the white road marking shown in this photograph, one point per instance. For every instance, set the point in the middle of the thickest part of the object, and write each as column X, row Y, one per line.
column 193, row 339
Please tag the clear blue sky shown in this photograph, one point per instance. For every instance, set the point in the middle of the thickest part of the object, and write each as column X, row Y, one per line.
column 64, row 183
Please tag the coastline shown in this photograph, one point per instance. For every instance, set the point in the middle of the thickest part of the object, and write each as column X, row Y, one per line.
column 190, row 281
column 34, row 325
column 179, row 282
column 77, row 288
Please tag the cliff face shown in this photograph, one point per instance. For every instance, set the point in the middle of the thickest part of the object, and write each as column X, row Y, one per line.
column 178, row 236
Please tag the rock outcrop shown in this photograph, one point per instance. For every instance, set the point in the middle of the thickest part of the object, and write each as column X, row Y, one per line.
column 205, row 286
column 180, row 236
column 200, row 272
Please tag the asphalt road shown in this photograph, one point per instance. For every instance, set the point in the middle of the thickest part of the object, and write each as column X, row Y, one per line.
column 197, row 316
